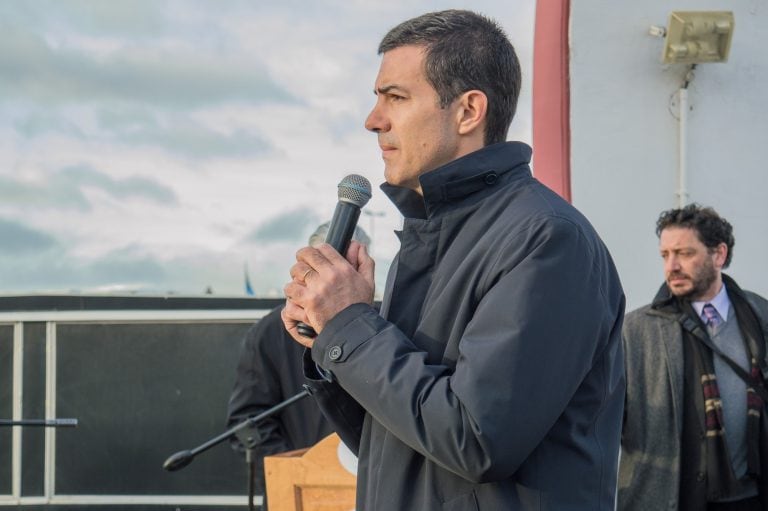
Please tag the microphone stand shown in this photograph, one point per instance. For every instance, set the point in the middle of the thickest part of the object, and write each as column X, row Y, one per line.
column 183, row 458
column 250, row 459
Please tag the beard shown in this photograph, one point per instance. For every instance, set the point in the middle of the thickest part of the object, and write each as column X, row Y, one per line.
column 700, row 281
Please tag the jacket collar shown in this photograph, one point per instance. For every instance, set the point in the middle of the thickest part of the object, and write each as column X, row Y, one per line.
column 664, row 302
column 478, row 173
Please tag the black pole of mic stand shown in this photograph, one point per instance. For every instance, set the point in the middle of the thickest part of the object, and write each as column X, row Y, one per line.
column 251, row 461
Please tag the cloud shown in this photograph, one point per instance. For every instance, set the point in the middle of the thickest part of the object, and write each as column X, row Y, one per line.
column 126, row 267
column 178, row 134
column 26, row 195
column 292, row 226
column 182, row 135
column 123, row 269
column 65, row 189
column 37, row 124
column 31, row 69
column 84, row 176
column 20, row 240
column 135, row 18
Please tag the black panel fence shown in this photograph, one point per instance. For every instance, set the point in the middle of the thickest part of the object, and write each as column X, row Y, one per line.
column 145, row 377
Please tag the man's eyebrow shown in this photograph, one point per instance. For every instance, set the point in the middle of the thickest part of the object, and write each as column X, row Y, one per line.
column 388, row 88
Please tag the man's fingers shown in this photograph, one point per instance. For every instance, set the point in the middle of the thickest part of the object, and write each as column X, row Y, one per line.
column 295, row 292
column 366, row 264
column 323, row 283
column 357, row 255
column 331, row 256
column 293, row 312
column 300, row 271
column 288, row 314
column 314, row 258
column 352, row 253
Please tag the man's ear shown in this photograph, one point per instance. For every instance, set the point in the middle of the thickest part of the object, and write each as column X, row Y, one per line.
column 473, row 107
column 721, row 254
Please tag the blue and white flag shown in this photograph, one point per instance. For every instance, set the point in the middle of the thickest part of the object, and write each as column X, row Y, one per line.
column 248, row 288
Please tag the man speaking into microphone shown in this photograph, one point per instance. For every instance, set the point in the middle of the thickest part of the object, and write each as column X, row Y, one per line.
column 492, row 376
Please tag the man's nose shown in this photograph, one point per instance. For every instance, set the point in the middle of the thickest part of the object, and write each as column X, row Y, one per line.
column 672, row 264
column 376, row 121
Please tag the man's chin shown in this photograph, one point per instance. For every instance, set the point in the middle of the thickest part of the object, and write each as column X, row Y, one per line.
column 680, row 290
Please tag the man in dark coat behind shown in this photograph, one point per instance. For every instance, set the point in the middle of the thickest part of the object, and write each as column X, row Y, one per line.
column 492, row 378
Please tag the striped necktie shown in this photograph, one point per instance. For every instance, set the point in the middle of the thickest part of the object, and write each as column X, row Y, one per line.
column 710, row 316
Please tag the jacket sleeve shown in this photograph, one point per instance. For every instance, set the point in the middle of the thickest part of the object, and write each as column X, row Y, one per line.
column 342, row 411
column 257, row 386
column 542, row 320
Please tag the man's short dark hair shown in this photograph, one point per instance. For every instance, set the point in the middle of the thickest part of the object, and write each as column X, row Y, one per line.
column 711, row 228
column 465, row 51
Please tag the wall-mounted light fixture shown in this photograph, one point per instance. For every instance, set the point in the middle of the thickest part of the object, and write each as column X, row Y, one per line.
column 692, row 38
column 696, row 37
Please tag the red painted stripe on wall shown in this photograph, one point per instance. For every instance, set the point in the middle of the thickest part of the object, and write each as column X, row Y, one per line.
column 551, row 97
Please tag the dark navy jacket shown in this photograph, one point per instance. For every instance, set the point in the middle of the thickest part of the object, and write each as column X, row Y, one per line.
column 493, row 377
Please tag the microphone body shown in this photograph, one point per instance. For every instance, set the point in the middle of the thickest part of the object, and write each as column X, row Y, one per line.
column 354, row 193
column 342, row 226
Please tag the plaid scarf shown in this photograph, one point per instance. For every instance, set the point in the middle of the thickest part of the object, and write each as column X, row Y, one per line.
column 706, row 471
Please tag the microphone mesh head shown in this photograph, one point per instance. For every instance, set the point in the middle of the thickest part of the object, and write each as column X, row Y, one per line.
column 355, row 189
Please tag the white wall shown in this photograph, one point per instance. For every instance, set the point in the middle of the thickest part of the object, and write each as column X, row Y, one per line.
column 624, row 145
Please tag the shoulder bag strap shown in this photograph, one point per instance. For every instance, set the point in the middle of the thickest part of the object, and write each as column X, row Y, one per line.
column 695, row 329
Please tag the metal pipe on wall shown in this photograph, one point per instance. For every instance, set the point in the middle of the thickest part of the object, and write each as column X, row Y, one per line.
column 682, row 169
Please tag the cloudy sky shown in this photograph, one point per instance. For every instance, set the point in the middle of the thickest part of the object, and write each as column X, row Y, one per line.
column 161, row 147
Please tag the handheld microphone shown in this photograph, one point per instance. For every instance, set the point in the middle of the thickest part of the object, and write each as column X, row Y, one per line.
column 354, row 193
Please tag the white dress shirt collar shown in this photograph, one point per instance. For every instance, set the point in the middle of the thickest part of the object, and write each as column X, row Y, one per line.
column 720, row 302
